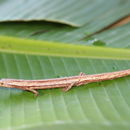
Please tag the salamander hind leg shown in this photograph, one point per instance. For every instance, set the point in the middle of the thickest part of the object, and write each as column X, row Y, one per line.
column 34, row 91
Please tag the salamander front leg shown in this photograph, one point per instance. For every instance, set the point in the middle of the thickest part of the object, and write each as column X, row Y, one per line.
column 82, row 74
column 73, row 84
column 69, row 87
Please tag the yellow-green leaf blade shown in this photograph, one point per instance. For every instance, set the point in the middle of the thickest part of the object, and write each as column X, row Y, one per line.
column 17, row 45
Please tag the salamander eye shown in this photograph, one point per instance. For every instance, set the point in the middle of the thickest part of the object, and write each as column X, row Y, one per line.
column 1, row 84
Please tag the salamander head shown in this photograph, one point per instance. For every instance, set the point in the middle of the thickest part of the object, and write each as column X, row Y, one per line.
column 1, row 83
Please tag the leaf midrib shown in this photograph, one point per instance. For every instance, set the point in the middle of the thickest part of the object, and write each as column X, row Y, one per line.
column 35, row 47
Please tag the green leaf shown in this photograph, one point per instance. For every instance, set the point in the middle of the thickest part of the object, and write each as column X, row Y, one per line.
column 98, row 106
column 44, row 31
column 116, row 37
column 72, row 12
column 62, row 33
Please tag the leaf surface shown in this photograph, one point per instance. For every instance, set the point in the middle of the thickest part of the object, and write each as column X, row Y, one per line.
column 116, row 37
column 102, row 105
column 72, row 12
column 40, row 50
